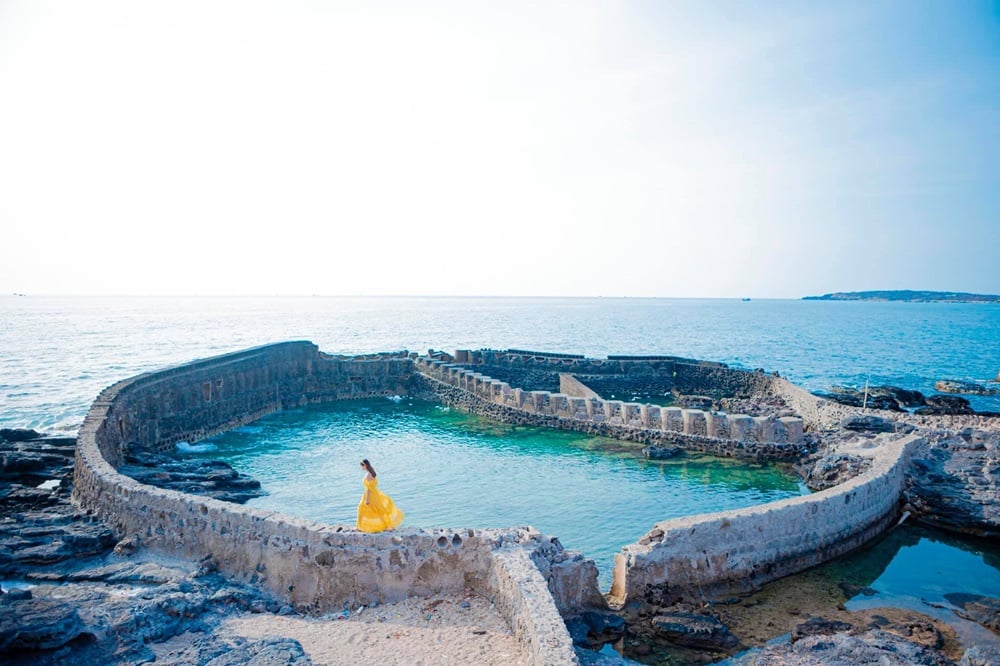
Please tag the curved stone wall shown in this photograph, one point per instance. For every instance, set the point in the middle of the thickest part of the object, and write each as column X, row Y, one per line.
column 713, row 555
column 314, row 566
column 530, row 579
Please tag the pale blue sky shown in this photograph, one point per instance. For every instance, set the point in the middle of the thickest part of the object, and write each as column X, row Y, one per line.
column 697, row 149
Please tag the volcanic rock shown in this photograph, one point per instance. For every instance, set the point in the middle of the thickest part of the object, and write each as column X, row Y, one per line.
column 36, row 624
column 239, row 651
column 872, row 647
column 943, row 405
column 980, row 609
column 656, row 452
column 695, row 630
column 959, row 386
column 981, row 655
column 834, row 469
column 890, row 398
column 195, row 476
column 954, row 481
column 868, row 423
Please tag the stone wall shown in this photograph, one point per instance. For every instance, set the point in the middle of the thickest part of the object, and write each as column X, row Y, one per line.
column 314, row 566
column 714, row 555
column 752, row 438
column 616, row 375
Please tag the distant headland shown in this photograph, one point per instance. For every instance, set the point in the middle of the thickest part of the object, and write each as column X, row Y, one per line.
column 907, row 296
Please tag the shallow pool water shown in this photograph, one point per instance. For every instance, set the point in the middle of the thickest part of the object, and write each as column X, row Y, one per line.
column 446, row 468
column 924, row 569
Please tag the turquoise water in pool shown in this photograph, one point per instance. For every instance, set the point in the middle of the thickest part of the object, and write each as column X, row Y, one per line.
column 445, row 468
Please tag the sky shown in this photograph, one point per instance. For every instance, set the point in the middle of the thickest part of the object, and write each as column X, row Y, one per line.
column 670, row 149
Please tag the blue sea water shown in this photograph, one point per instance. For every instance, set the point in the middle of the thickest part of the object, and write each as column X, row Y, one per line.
column 57, row 353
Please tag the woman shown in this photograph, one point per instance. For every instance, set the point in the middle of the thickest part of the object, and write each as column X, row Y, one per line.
column 376, row 512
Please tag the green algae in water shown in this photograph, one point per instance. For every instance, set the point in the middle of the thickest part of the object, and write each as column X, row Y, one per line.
column 447, row 468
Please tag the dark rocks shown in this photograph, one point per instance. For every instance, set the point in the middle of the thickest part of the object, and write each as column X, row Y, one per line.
column 834, row 469
column 960, row 386
column 195, row 476
column 979, row 609
column 30, row 460
column 695, row 630
column 593, row 629
column 889, row 398
column 53, row 535
column 702, row 402
column 818, row 640
column 868, row 423
column 818, row 626
column 38, row 524
column 954, row 481
column 661, row 452
column 944, row 405
column 86, row 604
column 872, row 647
column 239, row 651
column 852, row 590
column 981, row 655
column 18, row 434
column 28, row 624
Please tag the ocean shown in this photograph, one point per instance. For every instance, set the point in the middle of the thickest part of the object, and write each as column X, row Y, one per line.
column 57, row 353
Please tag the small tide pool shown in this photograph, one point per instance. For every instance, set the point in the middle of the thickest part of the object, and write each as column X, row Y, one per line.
column 446, row 468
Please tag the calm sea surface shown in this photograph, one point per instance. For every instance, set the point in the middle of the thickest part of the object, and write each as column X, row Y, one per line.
column 56, row 354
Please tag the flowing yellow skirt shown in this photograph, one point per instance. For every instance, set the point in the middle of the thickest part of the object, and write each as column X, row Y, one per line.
column 378, row 513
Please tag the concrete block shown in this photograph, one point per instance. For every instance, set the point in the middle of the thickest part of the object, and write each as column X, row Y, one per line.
column 631, row 414
column 694, row 422
column 765, row 428
column 559, row 403
column 717, row 425
column 612, row 409
column 650, row 415
column 541, row 402
column 794, row 428
column 741, row 427
column 672, row 419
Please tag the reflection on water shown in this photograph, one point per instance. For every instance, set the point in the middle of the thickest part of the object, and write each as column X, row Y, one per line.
column 919, row 568
column 446, row 468
column 911, row 568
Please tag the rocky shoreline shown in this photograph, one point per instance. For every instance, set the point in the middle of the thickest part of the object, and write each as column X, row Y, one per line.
column 70, row 593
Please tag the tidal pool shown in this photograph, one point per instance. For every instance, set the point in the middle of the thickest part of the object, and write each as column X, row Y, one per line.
column 446, row 468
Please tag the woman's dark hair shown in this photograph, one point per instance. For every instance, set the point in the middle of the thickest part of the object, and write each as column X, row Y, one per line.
column 368, row 466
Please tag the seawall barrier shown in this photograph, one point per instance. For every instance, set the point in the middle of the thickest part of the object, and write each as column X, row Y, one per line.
column 713, row 555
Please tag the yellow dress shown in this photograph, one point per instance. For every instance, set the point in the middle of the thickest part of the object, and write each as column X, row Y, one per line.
column 379, row 513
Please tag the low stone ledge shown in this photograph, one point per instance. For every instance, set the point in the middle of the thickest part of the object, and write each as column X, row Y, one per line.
column 735, row 551
column 523, row 599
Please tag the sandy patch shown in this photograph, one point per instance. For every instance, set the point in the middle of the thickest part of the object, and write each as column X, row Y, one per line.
column 458, row 630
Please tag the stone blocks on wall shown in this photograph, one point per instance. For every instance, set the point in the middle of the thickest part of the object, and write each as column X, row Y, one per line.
column 765, row 433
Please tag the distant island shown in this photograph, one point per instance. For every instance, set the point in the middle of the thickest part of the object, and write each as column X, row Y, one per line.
column 907, row 296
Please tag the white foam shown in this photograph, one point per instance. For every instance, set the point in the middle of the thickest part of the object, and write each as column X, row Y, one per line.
column 395, row 398
column 51, row 484
column 187, row 447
